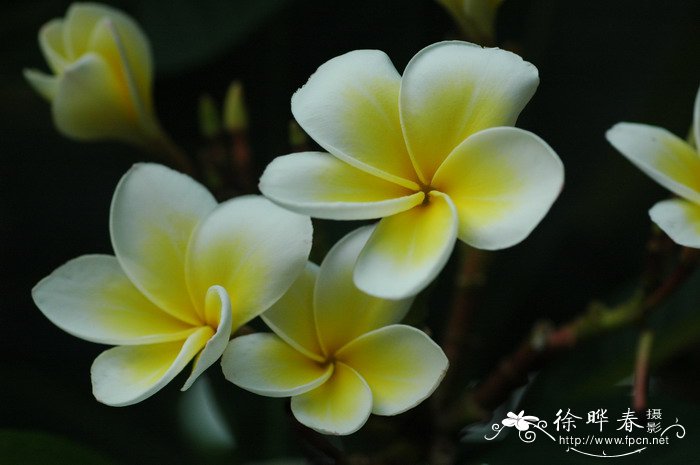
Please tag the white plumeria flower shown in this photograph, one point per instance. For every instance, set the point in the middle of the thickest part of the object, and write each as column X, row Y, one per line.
column 673, row 163
column 422, row 152
column 520, row 421
column 337, row 351
column 187, row 273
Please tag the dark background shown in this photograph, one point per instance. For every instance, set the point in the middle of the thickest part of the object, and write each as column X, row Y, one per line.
column 599, row 63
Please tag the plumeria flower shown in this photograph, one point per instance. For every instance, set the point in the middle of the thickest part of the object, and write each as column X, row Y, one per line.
column 336, row 351
column 102, row 76
column 520, row 421
column 430, row 152
column 187, row 273
column 673, row 163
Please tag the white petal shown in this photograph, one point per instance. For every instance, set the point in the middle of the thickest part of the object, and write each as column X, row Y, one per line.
column 503, row 182
column 90, row 297
column 292, row 316
column 679, row 219
column 126, row 375
column 218, row 315
column 343, row 312
column 350, row 106
column 154, row 212
column 400, row 364
column 43, row 84
column 322, row 186
column 266, row 365
column 664, row 157
column 253, row 249
column 341, row 405
column 451, row 90
column 408, row 250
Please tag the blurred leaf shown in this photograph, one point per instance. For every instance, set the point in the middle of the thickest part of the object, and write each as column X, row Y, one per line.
column 32, row 447
column 185, row 33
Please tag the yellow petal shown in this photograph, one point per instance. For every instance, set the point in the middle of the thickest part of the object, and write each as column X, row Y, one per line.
column 408, row 250
column 343, row 312
column 322, row 186
column 154, row 212
column 90, row 103
column 90, row 297
column 341, row 405
column 503, row 182
column 126, row 51
column 52, row 45
column 218, row 316
column 129, row 374
column 350, row 107
column 451, row 90
column 266, row 365
column 400, row 364
column 81, row 20
column 664, row 157
column 253, row 249
column 679, row 219
column 292, row 316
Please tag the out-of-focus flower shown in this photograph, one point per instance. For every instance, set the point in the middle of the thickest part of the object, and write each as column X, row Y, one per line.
column 101, row 86
column 476, row 18
column 431, row 153
column 187, row 273
column 337, row 351
column 673, row 163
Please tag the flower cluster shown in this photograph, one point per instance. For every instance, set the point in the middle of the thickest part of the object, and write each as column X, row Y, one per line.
column 433, row 154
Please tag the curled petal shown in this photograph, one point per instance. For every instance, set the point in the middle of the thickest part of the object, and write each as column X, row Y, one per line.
column 339, row 406
column 218, row 315
column 350, row 107
column 266, row 365
column 342, row 311
column 679, row 219
column 408, row 250
column 154, row 212
column 126, row 375
column 509, row 422
column 323, row 186
column 451, row 90
column 503, row 182
column 664, row 157
column 292, row 316
column 253, row 249
column 400, row 364
column 90, row 297
column 52, row 45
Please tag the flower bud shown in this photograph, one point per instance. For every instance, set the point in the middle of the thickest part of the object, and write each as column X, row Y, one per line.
column 235, row 113
column 101, row 86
